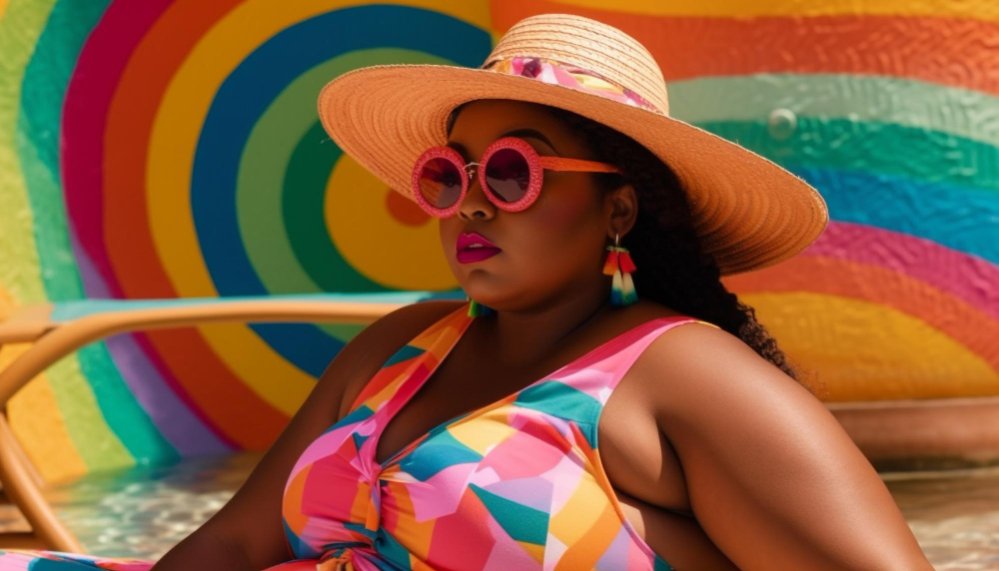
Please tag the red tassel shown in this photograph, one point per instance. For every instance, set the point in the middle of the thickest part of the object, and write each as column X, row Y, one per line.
column 627, row 265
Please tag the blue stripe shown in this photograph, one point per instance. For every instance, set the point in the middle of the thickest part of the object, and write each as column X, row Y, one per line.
column 960, row 218
column 245, row 95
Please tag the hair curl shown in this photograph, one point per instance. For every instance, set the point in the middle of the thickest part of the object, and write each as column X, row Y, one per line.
column 673, row 269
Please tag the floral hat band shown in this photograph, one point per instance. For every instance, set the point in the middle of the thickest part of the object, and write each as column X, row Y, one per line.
column 572, row 77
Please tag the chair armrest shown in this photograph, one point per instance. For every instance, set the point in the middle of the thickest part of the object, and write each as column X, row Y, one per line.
column 26, row 324
column 59, row 330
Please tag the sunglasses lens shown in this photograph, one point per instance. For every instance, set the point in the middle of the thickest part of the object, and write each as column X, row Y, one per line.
column 440, row 182
column 508, row 175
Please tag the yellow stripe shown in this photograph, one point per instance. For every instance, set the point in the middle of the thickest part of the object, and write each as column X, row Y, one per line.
column 6, row 303
column 96, row 443
column 361, row 227
column 987, row 10
column 861, row 350
column 19, row 271
column 40, row 427
column 172, row 148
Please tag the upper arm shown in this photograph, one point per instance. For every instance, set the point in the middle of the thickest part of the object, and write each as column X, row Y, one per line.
column 772, row 477
column 251, row 520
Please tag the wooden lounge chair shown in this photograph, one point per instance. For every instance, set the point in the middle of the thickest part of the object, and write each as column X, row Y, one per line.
column 142, row 510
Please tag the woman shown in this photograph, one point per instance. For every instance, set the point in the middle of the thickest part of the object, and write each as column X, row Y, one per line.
column 572, row 415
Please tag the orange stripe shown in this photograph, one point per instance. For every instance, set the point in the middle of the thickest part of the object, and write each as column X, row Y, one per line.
column 954, row 317
column 131, row 250
column 585, row 553
column 234, row 409
column 220, row 397
column 949, row 51
column 382, row 379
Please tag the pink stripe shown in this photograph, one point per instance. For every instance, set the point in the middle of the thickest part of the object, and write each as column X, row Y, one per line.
column 88, row 99
column 964, row 276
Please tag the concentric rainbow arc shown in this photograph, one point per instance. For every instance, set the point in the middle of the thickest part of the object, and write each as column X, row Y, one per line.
column 164, row 149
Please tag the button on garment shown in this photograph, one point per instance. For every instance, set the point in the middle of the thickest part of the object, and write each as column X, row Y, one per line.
column 516, row 484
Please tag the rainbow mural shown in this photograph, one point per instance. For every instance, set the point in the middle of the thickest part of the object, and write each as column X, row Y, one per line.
column 165, row 149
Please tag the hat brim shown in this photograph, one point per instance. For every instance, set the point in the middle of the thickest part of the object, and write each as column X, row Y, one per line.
column 748, row 211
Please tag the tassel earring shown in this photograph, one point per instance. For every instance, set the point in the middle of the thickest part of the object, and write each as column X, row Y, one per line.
column 475, row 309
column 620, row 265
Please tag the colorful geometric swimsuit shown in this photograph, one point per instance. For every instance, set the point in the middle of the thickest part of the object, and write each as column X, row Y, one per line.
column 516, row 484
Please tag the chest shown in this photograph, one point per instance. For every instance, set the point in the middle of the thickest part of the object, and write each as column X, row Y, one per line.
column 633, row 453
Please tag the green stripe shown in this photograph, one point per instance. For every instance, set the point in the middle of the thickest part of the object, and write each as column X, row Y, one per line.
column 45, row 83
column 873, row 148
column 284, row 169
column 97, row 445
column 283, row 172
column 304, row 195
column 964, row 113
column 19, row 273
column 100, row 413
column 124, row 415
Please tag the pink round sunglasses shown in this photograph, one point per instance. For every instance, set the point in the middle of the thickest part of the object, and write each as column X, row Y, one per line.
column 510, row 173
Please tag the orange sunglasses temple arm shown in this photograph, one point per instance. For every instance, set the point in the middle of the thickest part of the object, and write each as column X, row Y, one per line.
column 576, row 165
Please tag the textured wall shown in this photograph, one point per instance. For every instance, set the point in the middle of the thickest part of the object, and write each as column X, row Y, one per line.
column 891, row 109
column 164, row 149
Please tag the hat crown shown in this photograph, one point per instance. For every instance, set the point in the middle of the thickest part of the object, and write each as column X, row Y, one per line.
column 589, row 45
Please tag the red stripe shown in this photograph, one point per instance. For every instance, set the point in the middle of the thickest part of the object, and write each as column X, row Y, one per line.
column 241, row 415
column 129, row 126
column 950, row 51
column 205, row 379
column 121, row 77
column 88, row 97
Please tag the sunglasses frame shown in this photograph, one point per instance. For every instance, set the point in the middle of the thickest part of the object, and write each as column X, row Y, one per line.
column 536, row 165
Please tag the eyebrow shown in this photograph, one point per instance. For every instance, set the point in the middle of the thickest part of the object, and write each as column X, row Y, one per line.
column 524, row 132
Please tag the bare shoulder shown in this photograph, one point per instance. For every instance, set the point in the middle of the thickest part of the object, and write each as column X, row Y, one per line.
column 700, row 356
column 376, row 342
column 772, row 477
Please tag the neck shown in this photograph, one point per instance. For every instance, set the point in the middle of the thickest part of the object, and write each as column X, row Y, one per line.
column 526, row 336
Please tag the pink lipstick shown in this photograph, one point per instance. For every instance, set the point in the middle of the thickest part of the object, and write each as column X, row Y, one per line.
column 474, row 247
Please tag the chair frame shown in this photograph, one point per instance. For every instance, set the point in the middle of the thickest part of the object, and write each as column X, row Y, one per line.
column 52, row 340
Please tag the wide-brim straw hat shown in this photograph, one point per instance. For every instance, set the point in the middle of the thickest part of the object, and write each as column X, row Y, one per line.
column 748, row 211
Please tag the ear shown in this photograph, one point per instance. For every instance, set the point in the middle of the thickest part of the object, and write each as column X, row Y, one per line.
column 622, row 206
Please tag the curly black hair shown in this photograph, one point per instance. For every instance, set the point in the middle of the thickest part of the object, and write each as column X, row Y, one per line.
column 673, row 269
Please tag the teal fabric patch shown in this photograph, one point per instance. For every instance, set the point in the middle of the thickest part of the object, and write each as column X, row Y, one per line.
column 559, row 399
column 404, row 354
column 396, row 556
column 522, row 523
column 660, row 565
column 357, row 415
column 438, row 451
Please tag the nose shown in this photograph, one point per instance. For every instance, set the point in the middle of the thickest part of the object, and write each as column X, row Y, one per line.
column 475, row 205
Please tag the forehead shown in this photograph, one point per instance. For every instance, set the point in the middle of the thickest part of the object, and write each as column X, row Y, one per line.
column 481, row 122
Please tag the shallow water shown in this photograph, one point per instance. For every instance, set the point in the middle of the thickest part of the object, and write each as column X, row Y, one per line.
column 144, row 511
column 954, row 515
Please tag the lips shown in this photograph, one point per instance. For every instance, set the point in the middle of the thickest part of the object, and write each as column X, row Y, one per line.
column 473, row 247
column 470, row 239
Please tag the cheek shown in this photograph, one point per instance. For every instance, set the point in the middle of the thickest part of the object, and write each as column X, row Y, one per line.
column 577, row 212
column 570, row 226
column 569, row 216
